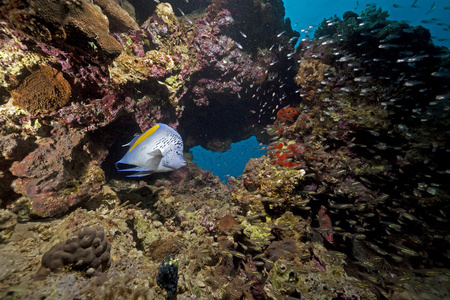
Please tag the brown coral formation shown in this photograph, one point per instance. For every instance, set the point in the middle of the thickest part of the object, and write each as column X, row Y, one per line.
column 43, row 91
column 78, row 26
column 87, row 250
column 228, row 225
column 119, row 19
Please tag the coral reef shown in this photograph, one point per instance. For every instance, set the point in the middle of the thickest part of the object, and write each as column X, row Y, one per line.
column 8, row 221
column 44, row 91
column 349, row 202
column 15, row 59
column 88, row 250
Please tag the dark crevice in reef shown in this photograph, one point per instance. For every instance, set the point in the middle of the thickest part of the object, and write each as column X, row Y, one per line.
column 199, row 125
column 116, row 134
column 138, row 242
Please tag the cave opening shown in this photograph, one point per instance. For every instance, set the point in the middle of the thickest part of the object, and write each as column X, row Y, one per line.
column 223, row 135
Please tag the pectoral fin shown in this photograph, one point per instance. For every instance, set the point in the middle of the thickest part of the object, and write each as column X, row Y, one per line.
column 155, row 153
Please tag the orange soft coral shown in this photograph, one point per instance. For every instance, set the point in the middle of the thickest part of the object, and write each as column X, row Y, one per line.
column 288, row 114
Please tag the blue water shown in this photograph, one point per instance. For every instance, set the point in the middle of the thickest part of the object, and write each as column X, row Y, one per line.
column 231, row 162
column 304, row 13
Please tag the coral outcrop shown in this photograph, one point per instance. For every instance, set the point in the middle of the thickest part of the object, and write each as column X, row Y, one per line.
column 73, row 26
column 288, row 114
column 119, row 19
column 44, row 91
column 88, row 251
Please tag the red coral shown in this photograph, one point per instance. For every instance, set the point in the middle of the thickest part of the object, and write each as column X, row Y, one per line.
column 287, row 114
column 285, row 154
column 279, row 146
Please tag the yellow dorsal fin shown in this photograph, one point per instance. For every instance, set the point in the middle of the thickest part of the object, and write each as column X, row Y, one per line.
column 144, row 136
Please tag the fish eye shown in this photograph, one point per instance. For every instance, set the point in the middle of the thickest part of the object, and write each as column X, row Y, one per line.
column 178, row 152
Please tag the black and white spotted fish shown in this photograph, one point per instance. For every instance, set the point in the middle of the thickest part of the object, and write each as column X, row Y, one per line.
column 159, row 149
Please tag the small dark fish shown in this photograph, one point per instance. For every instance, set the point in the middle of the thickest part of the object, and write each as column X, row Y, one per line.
column 432, row 8
column 406, row 250
column 389, row 46
column 442, row 74
column 412, row 82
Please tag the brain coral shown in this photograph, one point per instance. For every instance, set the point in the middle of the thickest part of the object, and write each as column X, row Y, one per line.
column 88, row 250
column 43, row 91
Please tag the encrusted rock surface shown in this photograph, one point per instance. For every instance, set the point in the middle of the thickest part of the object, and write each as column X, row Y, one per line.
column 8, row 221
column 61, row 172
